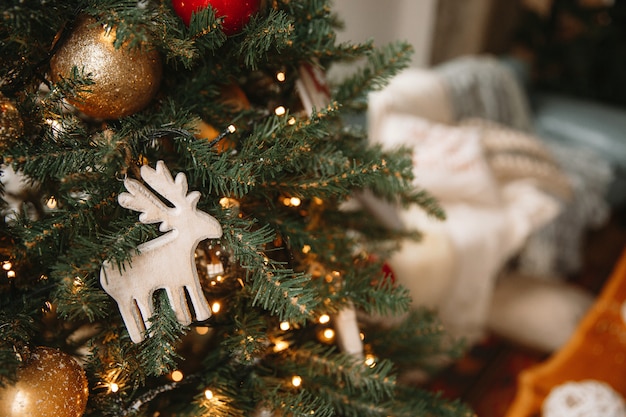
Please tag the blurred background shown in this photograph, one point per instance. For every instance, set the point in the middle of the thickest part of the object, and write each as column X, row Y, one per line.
column 516, row 112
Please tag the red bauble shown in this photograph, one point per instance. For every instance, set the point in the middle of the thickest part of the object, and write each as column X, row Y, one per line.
column 236, row 13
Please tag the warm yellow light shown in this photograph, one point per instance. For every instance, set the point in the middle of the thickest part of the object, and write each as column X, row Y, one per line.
column 11, row 274
column 7, row 266
column 324, row 318
column 232, row 129
column 362, row 335
column 177, row 376
column 287, row 201
column 113, row 387
column 280, row 76
column 295, row 201
column 228, row 203
column 280, row 111
column 215, row 307
column 370, row 360
column 280, row 345
column 306, row 249
column 291, row 121
column 296, row 381
column 208, row 394
column 328, row 334
column 51, row 203
column 202, row 330
column 284, row 326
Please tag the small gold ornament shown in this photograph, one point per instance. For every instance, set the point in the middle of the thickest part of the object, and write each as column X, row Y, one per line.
column 125, row 79
column 11, row 124
column 50, row 384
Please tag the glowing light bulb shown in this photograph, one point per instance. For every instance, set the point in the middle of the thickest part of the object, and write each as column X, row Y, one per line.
column 232, row 129
column 280, row 111
column 370, row 360
column 7, row 266
column 216, row 307
column 306, row 249
column 324, row 318
column 51, row 203
column 177, row 376
column 208, row 394
column 284, row 326
column 328, row 334
column 295, row 201
column 11, row 274
column 291, row 121
column 202, row 330
column 280, row 345
column 280, row 76
column 228, row 203
column 296, row 381
column 113, row 387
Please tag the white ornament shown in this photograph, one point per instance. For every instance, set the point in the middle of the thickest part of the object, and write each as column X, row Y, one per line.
column 588, row 398
column 312, row 87
column 348, row 333
column 166, row 262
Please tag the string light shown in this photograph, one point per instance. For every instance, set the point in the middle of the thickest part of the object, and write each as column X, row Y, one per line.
column 284, row 326
column 370, row 360
column 177, row 376
column 296, row 381
column 292, row 201
column 231, row 129
column 110, row 379
column 202, row 330
column 324, row 318
column 11, row 274
column 280, row 111
column 306, row 249
column 280, row 345
column 216, row 307
column 291, row 121
column 208, row 394
column 228, row 203
column 280, row 76
column 51, row 203
column 7, row 265
column 327, row 335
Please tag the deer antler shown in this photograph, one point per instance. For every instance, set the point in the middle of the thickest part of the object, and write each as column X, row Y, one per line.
column 140, row 198
column 160, row 179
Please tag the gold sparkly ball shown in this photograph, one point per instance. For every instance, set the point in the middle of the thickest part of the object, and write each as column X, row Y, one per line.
column 11, row 124
column 50, row 384
column 125, row 79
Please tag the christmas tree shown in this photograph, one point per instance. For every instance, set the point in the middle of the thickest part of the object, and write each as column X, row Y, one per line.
column 177, row 236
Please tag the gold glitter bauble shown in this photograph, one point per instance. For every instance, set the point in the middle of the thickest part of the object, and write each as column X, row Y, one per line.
column 125, row 79
column 11, row 124
column 50, row 384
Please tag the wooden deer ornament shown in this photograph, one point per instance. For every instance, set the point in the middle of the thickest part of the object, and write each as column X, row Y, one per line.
column 166, row 262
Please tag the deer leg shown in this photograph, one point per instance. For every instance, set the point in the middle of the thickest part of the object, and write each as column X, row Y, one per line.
column 199, row 302
column 132, row 316
column 179, row 305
